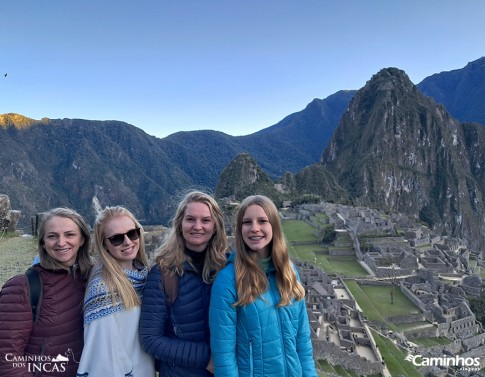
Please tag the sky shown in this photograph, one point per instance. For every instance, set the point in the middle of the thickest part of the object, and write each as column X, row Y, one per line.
column 230, row 66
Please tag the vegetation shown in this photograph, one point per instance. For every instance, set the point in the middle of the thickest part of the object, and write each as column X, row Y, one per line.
column 394, row 357
column 477, row 306
column 16, row 255
column 344, row 266
column 379, row 297
column 144, row 173
column 375, row 304
column 432, row 342
column 299, row 231
column 328, row 234
column 16, row 120
column 369, row 298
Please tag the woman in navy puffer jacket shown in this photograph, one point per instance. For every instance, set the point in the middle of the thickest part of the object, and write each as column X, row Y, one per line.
column 177, row 335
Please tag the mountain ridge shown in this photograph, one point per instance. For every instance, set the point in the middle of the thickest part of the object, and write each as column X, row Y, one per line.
column 70, row 161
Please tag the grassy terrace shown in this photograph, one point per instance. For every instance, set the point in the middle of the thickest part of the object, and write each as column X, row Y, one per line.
column 432, row 342
column 380, row 298
column 473, row 264
column 375, row 301
column 301, row 231
column 394, row 357
column 16, row 255
column 297, row 230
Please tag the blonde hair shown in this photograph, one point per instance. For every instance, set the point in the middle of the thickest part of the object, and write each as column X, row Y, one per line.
column 112, row 273
column 251, row 280
column 171, row 255
column 84, row 260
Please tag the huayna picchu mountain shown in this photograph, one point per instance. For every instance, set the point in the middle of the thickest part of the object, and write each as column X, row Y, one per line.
column 397, row 149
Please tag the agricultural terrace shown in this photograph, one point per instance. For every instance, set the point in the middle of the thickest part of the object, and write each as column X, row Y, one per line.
column 303, row 243
column 378, row 300
column 394, row 357
column 375, row 302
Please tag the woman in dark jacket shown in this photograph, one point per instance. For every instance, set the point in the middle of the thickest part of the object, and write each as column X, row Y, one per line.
column 51, row 343
column 177, row 334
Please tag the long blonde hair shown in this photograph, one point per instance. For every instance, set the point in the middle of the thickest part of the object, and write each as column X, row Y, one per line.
column 171, row 255
column 112, row 273
column 84, row 260
column 251, row 280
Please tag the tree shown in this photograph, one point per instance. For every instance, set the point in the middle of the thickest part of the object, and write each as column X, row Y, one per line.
column 477, row 306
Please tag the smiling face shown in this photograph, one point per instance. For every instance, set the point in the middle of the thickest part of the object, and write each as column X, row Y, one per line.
column 256, row 230
column 62, row 240
column 125, row 253
column 197, row 226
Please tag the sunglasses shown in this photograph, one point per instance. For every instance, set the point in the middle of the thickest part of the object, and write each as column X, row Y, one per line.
column 118, row 239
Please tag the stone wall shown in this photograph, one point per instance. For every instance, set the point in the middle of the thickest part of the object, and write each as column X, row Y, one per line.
column 423, row 332
column 412, row 297
column 350, row 361
column 8, row 217
column 477, row 352
column 409, row 318
column 341, row 252
column 463, row 327
column 153, row 239
column 474, row 342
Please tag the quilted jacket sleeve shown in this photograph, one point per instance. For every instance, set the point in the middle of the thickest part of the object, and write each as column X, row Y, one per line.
column 153, row 337
column 223, row 322
column 15, row 325
column 304, row 346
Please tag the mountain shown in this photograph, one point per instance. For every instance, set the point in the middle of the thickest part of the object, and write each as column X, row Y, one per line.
column 461, row 91
column 68, row 162
column 399, row 150
column 243, row 177
column 301, row 136
column 52, row 162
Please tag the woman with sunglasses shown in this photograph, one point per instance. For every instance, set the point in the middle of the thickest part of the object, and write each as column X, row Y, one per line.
column 176, row 334
column 113, row 297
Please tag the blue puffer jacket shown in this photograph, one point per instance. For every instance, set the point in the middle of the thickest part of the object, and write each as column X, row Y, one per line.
column 186, row 353
column 258, row 339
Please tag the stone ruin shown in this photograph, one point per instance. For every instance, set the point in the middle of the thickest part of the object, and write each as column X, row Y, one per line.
column 8, row 217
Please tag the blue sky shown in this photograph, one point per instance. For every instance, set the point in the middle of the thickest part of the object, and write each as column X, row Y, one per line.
column 236, row 67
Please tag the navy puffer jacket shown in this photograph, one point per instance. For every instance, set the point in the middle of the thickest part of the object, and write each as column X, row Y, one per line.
column 178, row 340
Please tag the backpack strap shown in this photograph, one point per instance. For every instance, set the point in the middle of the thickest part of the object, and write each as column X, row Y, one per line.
column 170, row 286
column 35, row 290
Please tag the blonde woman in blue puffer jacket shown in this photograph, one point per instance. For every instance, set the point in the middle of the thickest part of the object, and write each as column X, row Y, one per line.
column 258, row 319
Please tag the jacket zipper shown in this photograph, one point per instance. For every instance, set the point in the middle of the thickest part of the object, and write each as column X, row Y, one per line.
column 250, row 357
column 42, row 353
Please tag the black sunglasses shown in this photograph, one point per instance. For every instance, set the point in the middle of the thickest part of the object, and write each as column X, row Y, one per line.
column 118, row 239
